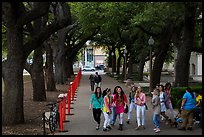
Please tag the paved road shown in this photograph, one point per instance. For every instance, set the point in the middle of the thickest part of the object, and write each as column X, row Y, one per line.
column 82, row 123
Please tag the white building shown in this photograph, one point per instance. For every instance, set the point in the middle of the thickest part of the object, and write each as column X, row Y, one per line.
column 195, row 65
column 92, row 56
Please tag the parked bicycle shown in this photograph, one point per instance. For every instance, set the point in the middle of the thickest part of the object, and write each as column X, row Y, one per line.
column 54, row 117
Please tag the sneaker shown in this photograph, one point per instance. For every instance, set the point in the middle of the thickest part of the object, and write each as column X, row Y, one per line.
column 112, row 124
column 97, row 128
column 157, row 130
column 143, row 127
column 105, row 129
column 109, row 127
column 138, row 128
column 128, row 122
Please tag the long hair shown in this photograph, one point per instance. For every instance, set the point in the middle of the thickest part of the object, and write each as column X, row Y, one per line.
column 104, row 92
column 122, row 92
column 167, row 85
column 95, row 92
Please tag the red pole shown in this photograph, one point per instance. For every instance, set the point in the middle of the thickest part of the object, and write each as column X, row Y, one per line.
column 60, row 109
column 64, row 108
column 69, row 99
column 72, row 90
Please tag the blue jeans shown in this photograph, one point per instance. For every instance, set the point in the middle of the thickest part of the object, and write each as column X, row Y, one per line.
column 114, row 115
column 155, row 119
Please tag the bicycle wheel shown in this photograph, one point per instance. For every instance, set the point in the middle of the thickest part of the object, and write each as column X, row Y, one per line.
column 52, row 124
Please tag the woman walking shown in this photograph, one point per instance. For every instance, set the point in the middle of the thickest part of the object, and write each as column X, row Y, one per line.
column 132, row 103
column 120, row 100
column 96, row 103
column 107, row 109
column 156, row 109
column 188, row 105
column 168, row 92
column 163, row 100
column 140, row 100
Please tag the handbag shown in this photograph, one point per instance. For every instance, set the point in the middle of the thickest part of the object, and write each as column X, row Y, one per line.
column 146, row 106
column 126, row 108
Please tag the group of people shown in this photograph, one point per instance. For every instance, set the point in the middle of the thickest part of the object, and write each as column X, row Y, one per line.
column 113, row 105
column 95, row 81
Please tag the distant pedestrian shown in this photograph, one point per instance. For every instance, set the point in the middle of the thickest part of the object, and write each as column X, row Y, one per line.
column 169, row 104
column 96, row 104
column 107, row 109
column 140, row 100
column 188, row 105
column 91, row 79
column 120, row 100
column 156, row 109
column 97, row 80
column 132, row 103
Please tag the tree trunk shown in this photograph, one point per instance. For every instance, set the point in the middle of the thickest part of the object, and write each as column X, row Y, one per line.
column 69, row 68
column 37, row 76
column 49, row 68
column 59, row 71
column 129, row 66
column 12, row 70
column 158, row 65
column 141, row 69
column 184, row 53
column 59, row 57
column 118, row 64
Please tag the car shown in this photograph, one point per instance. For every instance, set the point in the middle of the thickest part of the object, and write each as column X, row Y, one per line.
column 88, row 68
column 100, row 67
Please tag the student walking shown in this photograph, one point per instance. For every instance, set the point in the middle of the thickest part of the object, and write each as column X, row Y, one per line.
column 132, row 103
column 156, row 109
column 163, row 100
column 91, row 79
column 169, row 104
column 120, row 100
column 97, row 80
column 140, row 100
column 96, row 104
column 107, row 109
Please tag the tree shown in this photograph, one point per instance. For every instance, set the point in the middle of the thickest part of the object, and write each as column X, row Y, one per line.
column 185, row 50
column 15, row 17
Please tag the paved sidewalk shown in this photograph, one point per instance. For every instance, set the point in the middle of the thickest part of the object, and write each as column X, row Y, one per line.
column 82, row 122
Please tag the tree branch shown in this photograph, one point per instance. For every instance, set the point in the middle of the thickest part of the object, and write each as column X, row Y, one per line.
column 40, row 10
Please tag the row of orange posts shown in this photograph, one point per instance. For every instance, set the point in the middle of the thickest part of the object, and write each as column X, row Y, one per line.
column 67, row 98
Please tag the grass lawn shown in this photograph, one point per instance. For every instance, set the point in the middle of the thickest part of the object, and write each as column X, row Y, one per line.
column 25, row 79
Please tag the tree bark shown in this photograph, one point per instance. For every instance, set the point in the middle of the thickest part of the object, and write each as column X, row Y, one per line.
column 165, row 38
column 12, row 70
column 37, row 76
column 141, row 66
column 49, row 68
column 184, row 52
